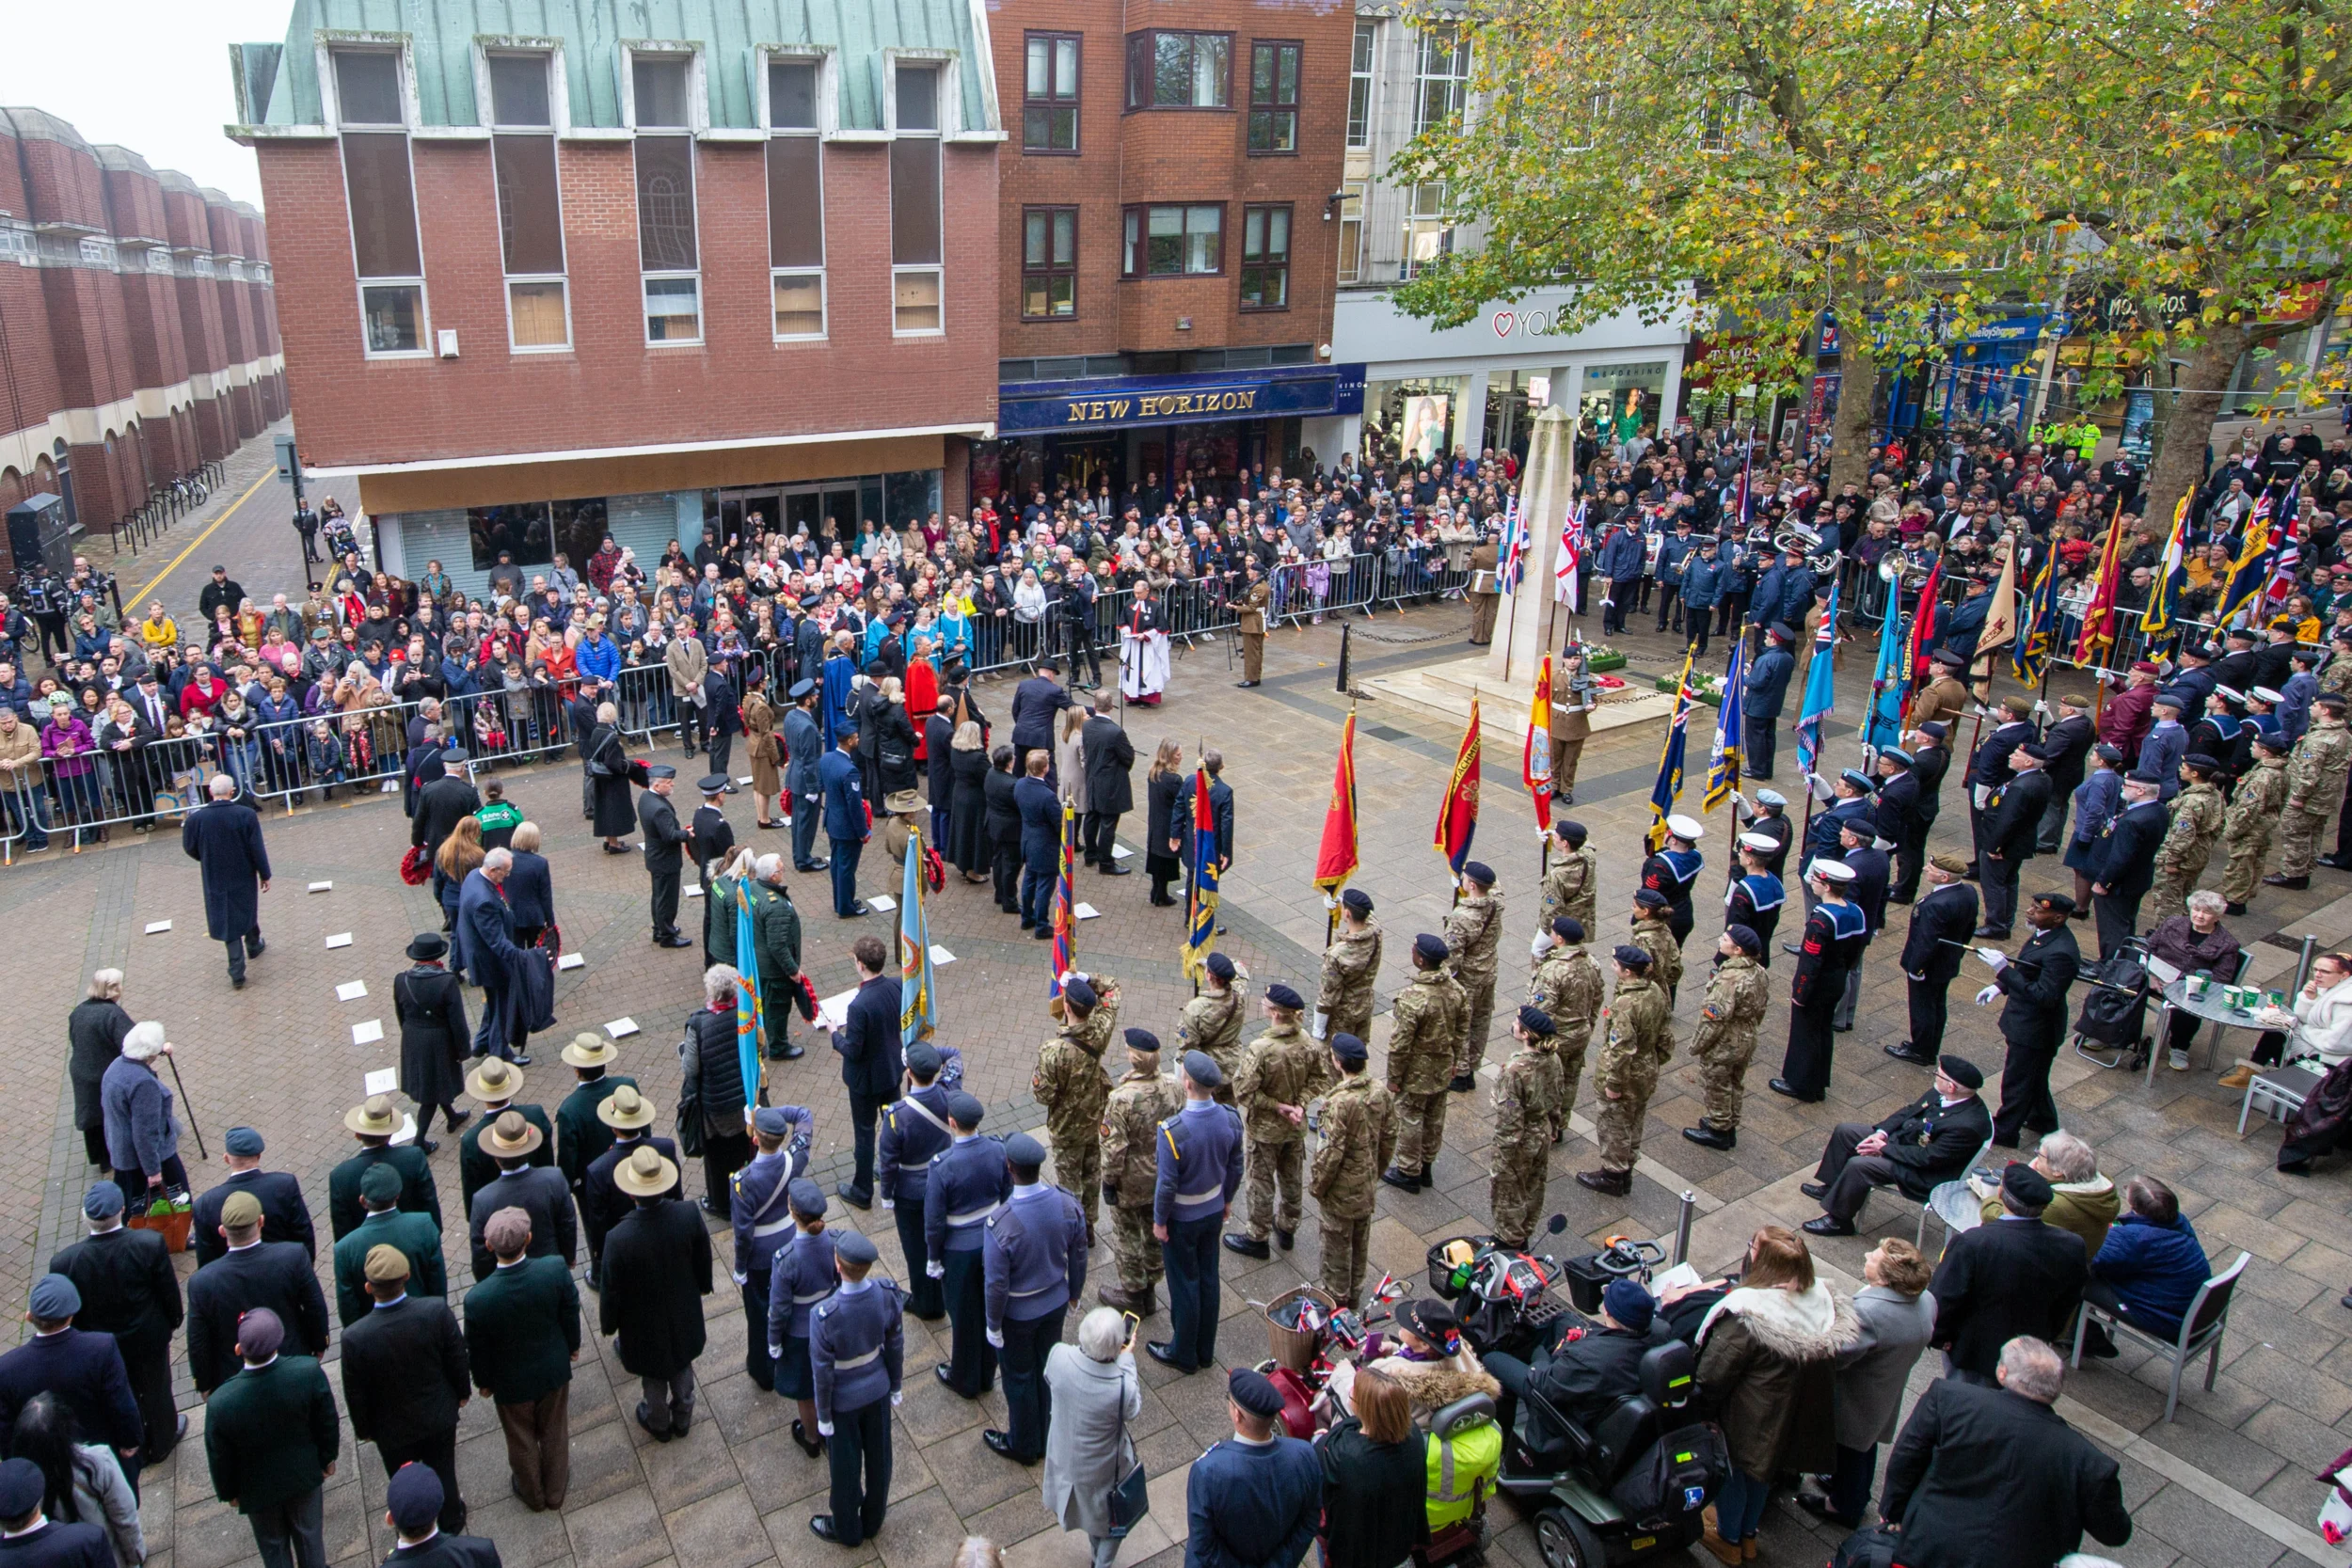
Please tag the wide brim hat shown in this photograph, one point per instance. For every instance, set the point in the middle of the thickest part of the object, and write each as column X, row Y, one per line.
column 495, row 1081
column 645, row 1174
column 376, row 1117
column 590, row 1051
column 624, row 1108
column 502, row 1143
column 902, row 802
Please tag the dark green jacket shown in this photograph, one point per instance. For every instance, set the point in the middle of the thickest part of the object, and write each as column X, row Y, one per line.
column 270, row 1433
column 776, row 927
column 418, row 1195
column 413, row 1234
column 580, row 1137
column 522, row 1326
column 477, row 1170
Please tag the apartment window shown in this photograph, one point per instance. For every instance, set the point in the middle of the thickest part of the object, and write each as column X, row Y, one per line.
column 1360, row 85
column 1049, row 263
column 1445, row 55
column 380, row 190
column 530, row 207
column 796, row 201
column 667, row 254
column 1274, row 98
column 1352, row 234
column 1170, row 241
column 1180, row 70
column 917, row 285
column 1428, row 231
column 1049, row 107
column 1265, row 258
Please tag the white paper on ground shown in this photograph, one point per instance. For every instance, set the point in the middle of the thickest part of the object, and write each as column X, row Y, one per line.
column 571, row 961
column 692, row 890
column 834, row 1011
column 941, row 955
column 621, row 1028
column 341, row 939
column 1086, row 912
column 321, row 887
column 407, row 1134
column 368, row 1033
column 1120, row 852
column 383, row 1080
column 744, row 780
column 351, row 990
column 157, row 927
column 881, row 901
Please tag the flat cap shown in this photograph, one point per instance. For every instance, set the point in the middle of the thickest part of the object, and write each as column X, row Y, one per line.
column 1283, row 996
column 54, row 1296
column 1253, row 1390
column 1347, row 1048
column 243, row 1142
column 1202, row 1070
column 965, row 1110
column 508, row 1230
column 1432, row 948
column 413, row 1497
column 1537, row 1021
column 386, row 1263
column 1023, row 1149
column 1142, row 1039
column 1961, row 1070
column 853, row 1246
column 1631, row 956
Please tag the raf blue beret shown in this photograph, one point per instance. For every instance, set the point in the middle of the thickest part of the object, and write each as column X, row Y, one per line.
column 1283, row 997
column 1076, row 989
column 1202, row 1070
column 1746, row 936
column 54, row 1296
column 922, row 1060
column 1022, row 1149
column 1537, row 1021
column 771, row 1120
column 853, row 1246
column 243, row 1142
column 1567, row 928
column 1650, row 898
column 965, row 1109
column 1358, row 899
column 1478, row 871
column 1220, row 966
column 1347, row 1048
column 807, row 1198
column 413, row 1497
column 102, row 1201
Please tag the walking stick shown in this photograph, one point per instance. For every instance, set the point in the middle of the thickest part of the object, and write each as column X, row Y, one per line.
column 201, row 1151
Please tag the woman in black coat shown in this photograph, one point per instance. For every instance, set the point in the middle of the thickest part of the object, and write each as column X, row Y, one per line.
column 1003, row 829
column 1374, row 1470
column 95, row 1029
column 529, row 887
column 714, row 1077
column 969, row 843
column 894, row 739
column 1162, row 828
column 615, row 813
column 429, row 1007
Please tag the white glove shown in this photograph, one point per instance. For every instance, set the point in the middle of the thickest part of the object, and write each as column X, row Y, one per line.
column 824, row 1429
column 775, row 1352
column 890, row 1203
column 1994, row 957
column 741, row 1278
column 997, row 1339
column 2041, row 708
column 1540, row 946
column 1820, row 786
column 1987, row 994
column 1921, row 978
column 897, row 1398
column 935, row 1269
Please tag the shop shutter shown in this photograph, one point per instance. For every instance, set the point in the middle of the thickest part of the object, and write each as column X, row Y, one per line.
column 644, row 523
column 426, row 536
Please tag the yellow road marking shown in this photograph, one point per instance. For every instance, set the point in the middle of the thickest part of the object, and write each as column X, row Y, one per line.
column 140, row 597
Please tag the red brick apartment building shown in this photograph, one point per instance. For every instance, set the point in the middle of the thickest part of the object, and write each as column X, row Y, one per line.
column 545, row 283
column 139, row 328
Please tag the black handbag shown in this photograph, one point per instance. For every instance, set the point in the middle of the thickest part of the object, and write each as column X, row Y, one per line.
column 1130, row 1496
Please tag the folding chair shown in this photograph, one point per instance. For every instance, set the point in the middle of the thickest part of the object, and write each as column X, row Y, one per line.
column 2202, row 1328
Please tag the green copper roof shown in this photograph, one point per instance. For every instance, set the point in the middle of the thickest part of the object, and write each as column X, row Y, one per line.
column 277, row 83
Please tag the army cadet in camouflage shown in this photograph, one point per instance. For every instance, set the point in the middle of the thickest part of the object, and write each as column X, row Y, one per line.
column 1212, row 1022
column 2336, row 675
column 2253, row 814
column 1359, row 1127
column 1725, row 1041
column 1131, row 1119
column 1072, row 1084
column 1572, row 886
column 2197, row 816
column 2315, row 774
column 1641, row 1041
column 1654, row 935
column 1350, row 966
column 1281, row 1071
column 1473, row 936
column 1567, row 986
column 1426, row 1028
column 1526, row 1097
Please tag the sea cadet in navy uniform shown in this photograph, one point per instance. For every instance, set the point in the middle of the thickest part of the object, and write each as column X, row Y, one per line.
column 914, row 1129
column 856, row 1345
column 967, row 1181
column 1200, row 1161
column 1675, row 870
column 1253, row 1501
column 1033, row 1259
column 763, row 1220
column 801, row 1276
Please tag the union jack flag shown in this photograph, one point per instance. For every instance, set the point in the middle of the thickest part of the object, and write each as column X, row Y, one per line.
column 1514, row 550
column 1564, row 571
column 2286, row 552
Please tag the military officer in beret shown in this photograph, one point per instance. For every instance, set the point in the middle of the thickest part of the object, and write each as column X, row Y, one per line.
column 1566, row 989
column 1198, row 1152
column 710, row 839
column 1350, row 966
column 1211, row 1021
column 760, row 1208
column 1131, row 1124
column 1639, row 1041
column 1426, row 1022
column 967, row 1181
column 1359, row 1127
column 1725, row 1041
column 1572, row 885
column 1034, row 1257
column 856, row 1347
column 1281, row 1073
column 129, row 1289
column 1474, row 936
column 1527, row 1098
column 1255, row 1499
column 1072, row 1084
column 1937, row 940
column 285, row 1213
column 664, row 844
column 416, row 1502
column 1653, row 935
column 914, row 1129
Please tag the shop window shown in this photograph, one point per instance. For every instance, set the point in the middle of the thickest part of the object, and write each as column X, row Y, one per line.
column 1169, row 242
column 530, row 207
column 1359, row 84
column 523, row 531
column 1049, row 107
column 1273, row 98
column 1265, row 258
column 1049, row 263
column 1180, row 70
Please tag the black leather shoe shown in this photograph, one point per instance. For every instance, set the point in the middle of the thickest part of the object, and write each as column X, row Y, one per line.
column 1245, row 684
column 644, row 1413
column 1994, row 933
column 672, row 942
column 1828, row 1226
column 1462, row 1083
column 2335, row 863
column 717, row 1211
column 428, row 1146
column 1707, row 1137
column 792, row 1053
column 1814, row 1190
column 1248, row 1246
column 1397, row 1178
column 1164, row 1352
column 852, row 1197
column 1906, row 1053
column 2232, row 908
column 1791, row 947
column 809, row 1446
column 1617, row 1183
column 1117, row 871
column 944, row 1374
column 1000, row 1444
column 1284, row 1238
column 820, row 1525
column 459, row 1120
column 2274, row 879
column 1783, row 1087
column 256, row 947
column 1817, row 1505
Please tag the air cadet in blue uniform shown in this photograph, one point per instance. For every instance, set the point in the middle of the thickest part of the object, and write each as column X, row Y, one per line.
column 763, row 1222
column 1200, row 1161
column 1674, row 870
column 1034, row 1257
column 967, row 1181
column 856, row 1345
column 1253, row 1501
column 914, row 1129
column 801, row 1276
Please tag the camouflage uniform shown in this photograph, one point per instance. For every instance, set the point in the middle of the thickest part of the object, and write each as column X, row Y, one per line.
column 2246, row 831
column 1657, row 938
column 1212, row 1022
column 1358, row 1128
column 1283, row 1067
column 1527, row 1100
column 2196, row 814
column 2315, row 771
column 1567, row 986
column 1473, row 940
column 1426, row 1026
column 1131, row 1121
column 1071, row 1083
column 1572, row 887
column 1726, row 1038
column 2336, row 676
column 1350, row 965
column 1641, row 1041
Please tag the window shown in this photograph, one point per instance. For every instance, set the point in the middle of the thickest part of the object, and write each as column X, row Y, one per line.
column 530, row 209
column 1444, row 77
column 1265, row 258
column 666, row 250
column 1352, row 234
column 1049, row 263
column 1428, row 231
column 1180, row 70
column 380, row 190
column 918, row 286
column 1169, row 242
column 796, row 201
column 1049, row 108
column 1360, row 85
column 1274, row 98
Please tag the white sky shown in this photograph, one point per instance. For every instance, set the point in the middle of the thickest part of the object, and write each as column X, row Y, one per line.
column 150, row 74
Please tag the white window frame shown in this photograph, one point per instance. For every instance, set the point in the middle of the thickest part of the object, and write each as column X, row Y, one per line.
column 395, row 45
column 697, row 121
column 1351, row 268
column 1458, row 79
column 828, row 121
column 558, row 119
column 941, row 63
column 1368, row 28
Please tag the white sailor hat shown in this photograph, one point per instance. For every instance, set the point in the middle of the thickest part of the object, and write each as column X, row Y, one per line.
column 1763, row 844
column 1833, row 871
column 2268, row 694
column 1685, row 828
column 2232, row 694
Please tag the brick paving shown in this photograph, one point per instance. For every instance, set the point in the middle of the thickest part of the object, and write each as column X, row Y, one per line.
column 2226, row 1485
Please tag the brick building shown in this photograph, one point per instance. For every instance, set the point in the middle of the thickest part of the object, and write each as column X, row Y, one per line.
column 1170, row 243
column 139, row 328
column 545, row 279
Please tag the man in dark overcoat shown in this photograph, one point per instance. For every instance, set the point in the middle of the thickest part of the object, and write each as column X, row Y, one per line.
column 224, row 838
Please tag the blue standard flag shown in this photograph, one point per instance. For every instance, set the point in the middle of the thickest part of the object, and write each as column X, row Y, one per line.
column 1820, row 689
column 1668, row 788
column 1723, row 764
